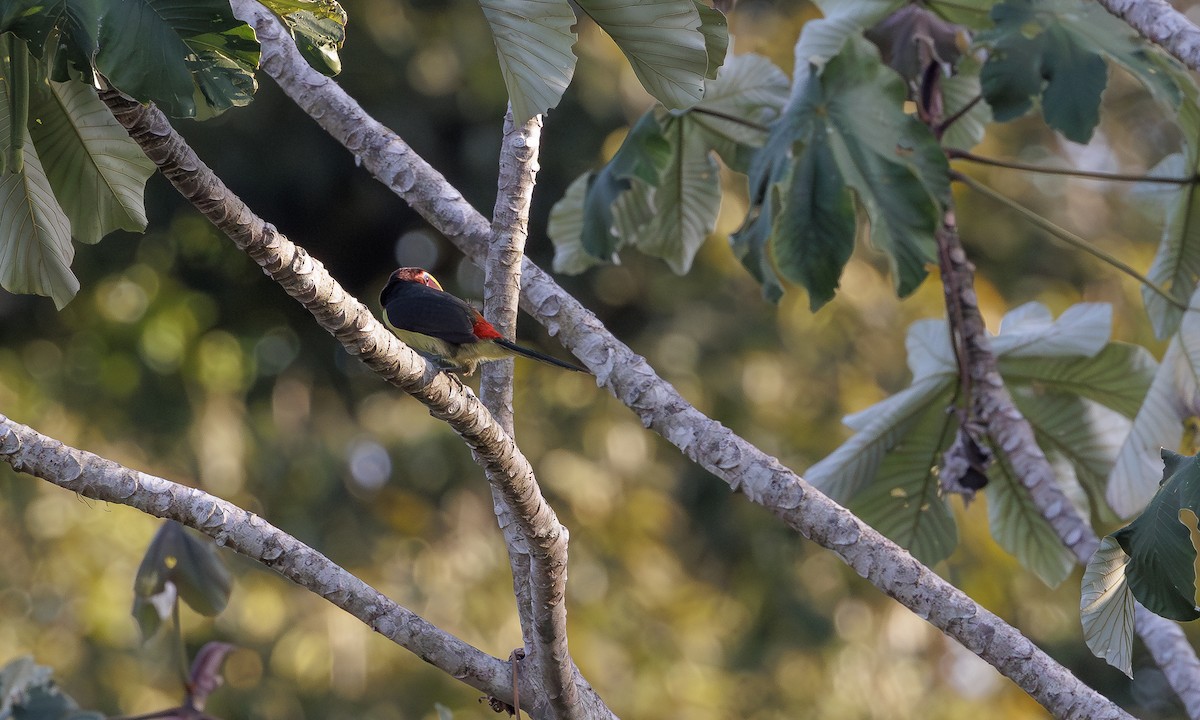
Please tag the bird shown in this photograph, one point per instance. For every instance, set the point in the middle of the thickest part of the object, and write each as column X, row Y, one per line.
column 445, row 328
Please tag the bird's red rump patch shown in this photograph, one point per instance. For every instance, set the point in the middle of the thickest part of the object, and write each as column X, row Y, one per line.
column 484, row 330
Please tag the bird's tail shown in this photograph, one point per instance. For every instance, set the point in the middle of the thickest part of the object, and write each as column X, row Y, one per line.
column 513, row 347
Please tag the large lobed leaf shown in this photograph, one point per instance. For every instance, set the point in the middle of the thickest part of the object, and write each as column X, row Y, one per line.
column 1161, row 571
column 1071, row 382
column 1054, row 52
column 844, row 130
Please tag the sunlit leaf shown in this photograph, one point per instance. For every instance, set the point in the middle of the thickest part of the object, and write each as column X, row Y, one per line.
column 663, row 42
column 97, row 171
column 1161, row 570
column 1106, row 607
column 35, row 234
column 1117, row 377
column 749, row 90
column 179, row 53
column 1173, row 398
column 317, row 26
column 565, row 229
column 1030, row 330
column 533, row 39
column 958, row 91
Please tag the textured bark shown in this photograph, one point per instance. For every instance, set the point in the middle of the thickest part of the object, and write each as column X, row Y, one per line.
column 360, row 333
column 1159, row 22
column 541, row 601
column 1009, row 430
column 94, row 477
column 660, row 407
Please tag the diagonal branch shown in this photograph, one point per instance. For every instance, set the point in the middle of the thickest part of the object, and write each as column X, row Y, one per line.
column 92, row 476
column 1008, row 429
column 744, row 467
column 540, row 601
column 1159, row 22
column 363, row 336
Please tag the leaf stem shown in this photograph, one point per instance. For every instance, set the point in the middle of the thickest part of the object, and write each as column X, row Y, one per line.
column 1067, row 236
column 945, row 124
column 954, row 154
column 731, row 118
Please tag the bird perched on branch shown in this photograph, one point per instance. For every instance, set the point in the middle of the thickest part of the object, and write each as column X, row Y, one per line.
column 444, row 328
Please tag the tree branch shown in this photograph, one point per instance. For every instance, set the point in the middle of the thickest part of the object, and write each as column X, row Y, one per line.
column 744, row 467
column 1008, row 429
column 363, row 336
column 94, row 477
column 541, row 600
column 1159, row 22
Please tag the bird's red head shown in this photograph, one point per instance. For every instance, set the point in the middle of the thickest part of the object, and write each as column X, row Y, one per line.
column 416, row 275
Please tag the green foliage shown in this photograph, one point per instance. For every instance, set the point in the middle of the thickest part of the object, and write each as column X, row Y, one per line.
column 1073, row 385
column 27, row 692
column 81, row 176
column 1054, row 52
column 178, row 565
column 1106, row 606
column 533, row 40
column 317, row 26
column 1161, row 570
column 661, row 191
column 670, row 44
column 898, row 176
column 1161, row 419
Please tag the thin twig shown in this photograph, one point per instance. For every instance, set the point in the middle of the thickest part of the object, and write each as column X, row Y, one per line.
column 1068, row 237
column 955, row 154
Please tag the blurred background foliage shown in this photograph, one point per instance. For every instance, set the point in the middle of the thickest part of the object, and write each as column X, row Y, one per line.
column 180, row 359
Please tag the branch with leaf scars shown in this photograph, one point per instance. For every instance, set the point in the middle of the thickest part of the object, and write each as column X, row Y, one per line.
column 363, row 336
column 94, row 477
column 546, row 635
column 1159, row 22
column 711, row 445
column 1009, row 430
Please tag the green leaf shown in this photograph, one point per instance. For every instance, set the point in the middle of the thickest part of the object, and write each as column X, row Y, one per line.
column 533, row 39
column 821, row 39
column 643, row 153
column 891, row 161
column 1031, row 331
column 27, row 692
column 1117, row 377
column 317, row 26
column 663, row 42
column 748, row 87
column 903, row 502
column 1055, row 50
column 1017, row 525
column 98, row 173
column 715, row 29
column 1160, row 421
column 35, row 234
column 687, row 199
column 190, row 565
column 957, row 91
column 181, row 53
column 1106, row 606
column 1176, row 265
column 817, row 222
column 1161, row 570
column 565, row 229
